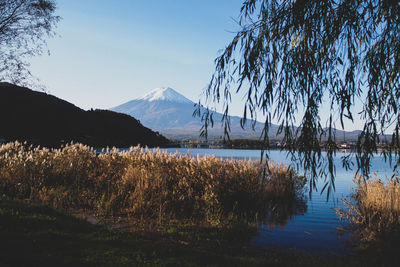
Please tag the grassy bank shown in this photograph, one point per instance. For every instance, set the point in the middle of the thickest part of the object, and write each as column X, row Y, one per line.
column 178, row 210
column 37, row 235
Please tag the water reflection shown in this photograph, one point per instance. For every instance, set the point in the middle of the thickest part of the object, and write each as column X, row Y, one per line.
column 277, row 214
column 305, row 223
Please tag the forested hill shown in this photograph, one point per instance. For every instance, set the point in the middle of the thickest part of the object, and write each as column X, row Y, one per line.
column 47, row 120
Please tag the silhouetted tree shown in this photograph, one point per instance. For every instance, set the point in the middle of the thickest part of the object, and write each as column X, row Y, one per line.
column 24, row 24
column 294, row 57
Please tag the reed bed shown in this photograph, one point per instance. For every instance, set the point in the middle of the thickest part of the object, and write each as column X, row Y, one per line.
column 374, row 211
column 146, row 185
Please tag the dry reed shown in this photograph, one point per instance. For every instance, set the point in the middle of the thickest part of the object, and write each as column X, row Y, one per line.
column 373, row 212
column 146, row 185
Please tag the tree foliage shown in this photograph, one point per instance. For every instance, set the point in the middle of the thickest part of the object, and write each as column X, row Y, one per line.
column 24, row 25
column 299, row 56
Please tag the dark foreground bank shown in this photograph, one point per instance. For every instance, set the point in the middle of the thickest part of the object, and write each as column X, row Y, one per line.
column 36, row 235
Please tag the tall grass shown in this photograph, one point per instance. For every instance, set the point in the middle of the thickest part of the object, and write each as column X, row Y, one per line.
column 374, row 211
column 149, row 185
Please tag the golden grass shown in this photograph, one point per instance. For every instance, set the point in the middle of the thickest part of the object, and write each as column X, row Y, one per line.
column 374, row 210
column 146, row 185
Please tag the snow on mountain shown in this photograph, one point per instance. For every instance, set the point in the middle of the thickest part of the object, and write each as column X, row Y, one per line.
column 165, row 94
column 170, row 113
column 160, row 108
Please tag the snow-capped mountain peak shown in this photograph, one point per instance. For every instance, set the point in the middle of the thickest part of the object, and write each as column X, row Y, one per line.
column 164, row 94
column 170, row 113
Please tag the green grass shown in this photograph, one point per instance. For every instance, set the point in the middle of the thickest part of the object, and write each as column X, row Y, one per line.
column 36, row 235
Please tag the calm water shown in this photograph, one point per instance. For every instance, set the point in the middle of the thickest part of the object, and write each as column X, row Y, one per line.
column 314, row 229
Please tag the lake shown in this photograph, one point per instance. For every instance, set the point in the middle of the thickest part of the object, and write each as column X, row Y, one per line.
column 313, row 229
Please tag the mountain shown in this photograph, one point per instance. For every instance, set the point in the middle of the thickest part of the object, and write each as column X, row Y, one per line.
column 47, row 120
column 167, row 111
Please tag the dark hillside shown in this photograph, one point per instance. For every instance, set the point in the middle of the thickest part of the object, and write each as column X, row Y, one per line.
column 47, row 120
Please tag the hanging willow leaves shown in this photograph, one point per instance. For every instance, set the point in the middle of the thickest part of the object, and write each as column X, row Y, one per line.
column 302, row 56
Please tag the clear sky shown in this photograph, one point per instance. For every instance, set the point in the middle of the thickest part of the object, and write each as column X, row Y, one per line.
column 109, row 52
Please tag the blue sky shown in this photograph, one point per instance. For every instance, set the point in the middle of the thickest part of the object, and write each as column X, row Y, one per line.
column 109, row 52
